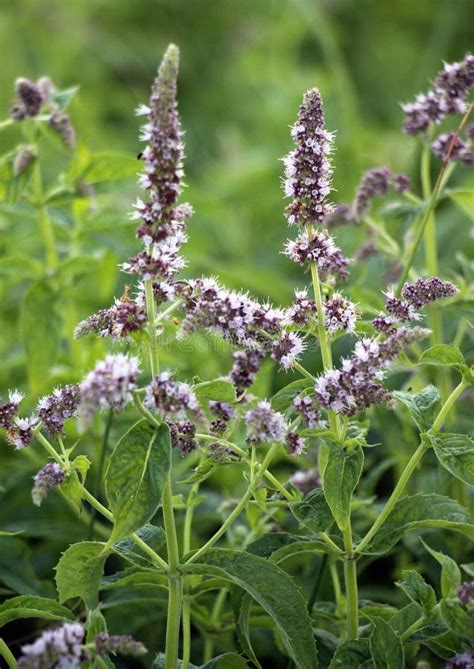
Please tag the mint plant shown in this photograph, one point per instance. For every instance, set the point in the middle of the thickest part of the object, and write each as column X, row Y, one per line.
column 223, row 585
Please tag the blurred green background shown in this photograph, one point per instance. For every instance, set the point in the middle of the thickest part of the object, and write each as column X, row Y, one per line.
column 244, row 68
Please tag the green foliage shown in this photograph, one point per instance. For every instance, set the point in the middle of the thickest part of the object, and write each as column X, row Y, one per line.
column 340, row 477
column 31, row 606
column 314, row 512
column 422, row 406
column 456, row 453
column 416, row 589
column 136, row 475
column 79, row 572
column 385, row 646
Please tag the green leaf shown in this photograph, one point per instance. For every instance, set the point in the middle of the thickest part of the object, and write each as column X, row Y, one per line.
column 273, row 589
column 456, row 618
column 385, row 646
column 340, row 477
column 418, row 512
column 469, row 568
column 313, row 511
column 450, row 573
column 405, row 617
column 71, row 486
column 31, row 606
column 110, row 167
column 225, row 661
column 242, row 606
column 351, row 654
column 266, row 545
column 137, row 473
column 16, row 567
column 79, row 572
column 154, row 536
column 63, row 98
column 283, row 399
column 416, row 589
column 218, row 391
column 456, row 453
column 444, row 355
column 20, row 267
column 40, row 333
column 464, row 199
column 423, row 406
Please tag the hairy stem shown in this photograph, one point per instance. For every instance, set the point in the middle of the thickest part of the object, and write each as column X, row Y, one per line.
column 350, row 579
column 410, row 468
column 216, row 611
column 7, row 655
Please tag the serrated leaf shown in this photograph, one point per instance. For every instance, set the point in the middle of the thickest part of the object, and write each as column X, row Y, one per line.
column 40, row 333
column 218, row 391
column 416, row 589
column 456, row 453
column 353, row 654
column 456, row 618
column 423, row 406
column 202, row 472
column 419, row 512
column 135, row 478
column 313, row 511
column 450, row 573
column 79, row 572
column 283, row 399
column 385, row 646
column 31, row 606
column 273, row 589
column 444, row 355
column 405, row 617
column 340, row 477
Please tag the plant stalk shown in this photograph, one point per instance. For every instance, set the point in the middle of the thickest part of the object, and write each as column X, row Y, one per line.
column 7, row 655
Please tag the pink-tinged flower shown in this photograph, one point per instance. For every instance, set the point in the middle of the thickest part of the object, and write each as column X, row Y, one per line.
column 183, row 435
column 21, row 433
column 287, row 349
column 448, row 144
column 308, row 172
column 377, row 182
column 45, row 480
column 53, row 410
column 461, row 661
column 424, row 291
column 451, row 88
column 9, row 410
column 465, row 593
column 245, row 368
column 29, row 99
column 302, row 309
column 306, row 481
column 173, row 398
column 319, row 248
column 109, row 385
column 117, row 322
column 357, row 385
column 308, row 409
column 61, row 647
column 339, row 314
column 295, row 444
column 123, row 644
column 264, row 424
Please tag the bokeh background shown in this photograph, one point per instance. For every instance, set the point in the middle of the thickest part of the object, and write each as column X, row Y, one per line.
column 245, row 65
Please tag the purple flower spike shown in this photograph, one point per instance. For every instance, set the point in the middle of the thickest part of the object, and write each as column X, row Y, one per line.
column 264, row 424
column 45, row 480
column 425, row 291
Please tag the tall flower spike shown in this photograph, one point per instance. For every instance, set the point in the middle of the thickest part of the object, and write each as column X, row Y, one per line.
column 308, row 171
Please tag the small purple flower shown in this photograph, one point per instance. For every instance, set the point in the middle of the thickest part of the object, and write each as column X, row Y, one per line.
column 109, row 385
column 9, row 410
column 264, row 424
column 29, row 99
column 308, row 172
column 306, row 481
column 374, row 183
column 342, row 214
column 339, row 314
column 287, row 348
column 318, row 247
column 183, row 436
column 173, row 398
column 61, row 123
column 47, row 478
column 117, row 322
column 302, row 309
column 295, row 444
column 465, row 593
column 53, row 410
column 21, row 433
column 245, row 368
column 307, row 408
column 451, row 88
column 123, row 644
column 424, row 291
column 462, row 661
column 61, row 647
column 224, row 412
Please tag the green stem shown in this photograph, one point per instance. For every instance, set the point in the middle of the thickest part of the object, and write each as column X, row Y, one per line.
column 413, row 628
column 216, row 611
column 439, row 186
column 410, row 468
column 238, row 509
column 175, row 581
column 45, row 223
column 152, row 338
column 100, row 469
column 186, row 616
column 350, row 579
column 322, row 334
column 7, row 655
